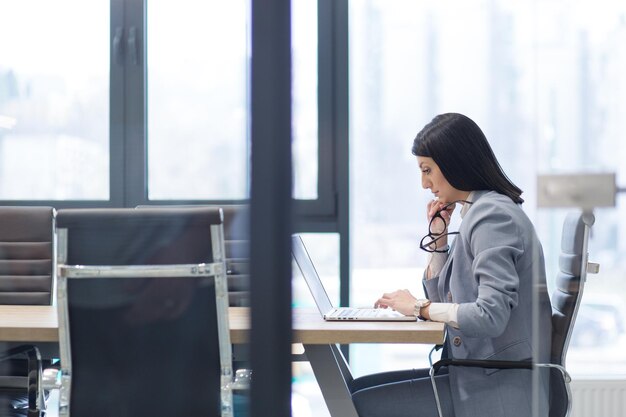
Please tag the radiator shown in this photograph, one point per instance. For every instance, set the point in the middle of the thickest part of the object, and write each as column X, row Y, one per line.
column 598, row 398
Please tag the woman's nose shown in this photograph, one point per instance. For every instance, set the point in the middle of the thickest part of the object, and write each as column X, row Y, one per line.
column 425, row 183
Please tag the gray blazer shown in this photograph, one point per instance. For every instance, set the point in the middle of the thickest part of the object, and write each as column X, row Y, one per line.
column 490, row 271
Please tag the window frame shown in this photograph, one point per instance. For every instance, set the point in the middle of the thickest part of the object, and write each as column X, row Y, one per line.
column 128, row 140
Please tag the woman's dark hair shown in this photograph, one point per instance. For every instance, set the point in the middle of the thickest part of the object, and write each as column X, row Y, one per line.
column 462, row 152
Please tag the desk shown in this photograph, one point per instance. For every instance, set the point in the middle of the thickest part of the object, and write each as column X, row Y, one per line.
column 319, row 337
column 39, row 324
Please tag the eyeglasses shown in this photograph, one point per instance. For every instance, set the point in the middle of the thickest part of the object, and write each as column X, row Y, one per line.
column 429, row 242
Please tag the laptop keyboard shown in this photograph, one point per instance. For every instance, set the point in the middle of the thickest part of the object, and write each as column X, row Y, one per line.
column 358, row 312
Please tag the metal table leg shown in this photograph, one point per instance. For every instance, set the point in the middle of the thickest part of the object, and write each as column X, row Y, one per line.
column 333, row 376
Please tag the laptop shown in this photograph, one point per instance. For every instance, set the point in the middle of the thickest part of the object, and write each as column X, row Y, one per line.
column 325, row 306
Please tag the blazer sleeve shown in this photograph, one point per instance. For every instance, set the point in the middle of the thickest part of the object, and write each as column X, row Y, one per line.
column 496, row 243
column 430, row 284
column 430, row 288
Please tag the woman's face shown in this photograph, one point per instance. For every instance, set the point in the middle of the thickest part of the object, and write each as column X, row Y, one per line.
column 433, row 179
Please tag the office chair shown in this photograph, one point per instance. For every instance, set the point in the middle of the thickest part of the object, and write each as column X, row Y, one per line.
column 26, row 277
column 143, row 313
column 565, row 299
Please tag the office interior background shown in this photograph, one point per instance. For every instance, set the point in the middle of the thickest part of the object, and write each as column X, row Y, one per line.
column 85, row 124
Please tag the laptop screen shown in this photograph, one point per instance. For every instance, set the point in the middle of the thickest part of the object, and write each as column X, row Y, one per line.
column 310, row 275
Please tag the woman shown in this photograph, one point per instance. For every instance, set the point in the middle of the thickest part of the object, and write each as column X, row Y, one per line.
column 484, row 286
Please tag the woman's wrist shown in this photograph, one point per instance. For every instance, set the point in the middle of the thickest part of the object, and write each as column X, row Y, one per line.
column 440, row 244
column 420, row 307
column 436, row 262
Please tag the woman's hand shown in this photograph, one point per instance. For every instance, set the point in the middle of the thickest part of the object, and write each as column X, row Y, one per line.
column 438, row 223
column 401, row 301
column 438, row 226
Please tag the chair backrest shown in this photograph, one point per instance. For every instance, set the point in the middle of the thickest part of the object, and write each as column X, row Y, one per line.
column 237, row 250
column 566, row 298
column 143, row 341
column 237, row 241
column 26, row 255
column 570, row 281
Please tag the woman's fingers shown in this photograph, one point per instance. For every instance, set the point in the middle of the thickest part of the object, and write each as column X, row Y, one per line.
column 434, row 206
column 431, row 208
column 402, row 301
column 391, row 300
column 446, row 214
column 383, row 303
column 387, row 300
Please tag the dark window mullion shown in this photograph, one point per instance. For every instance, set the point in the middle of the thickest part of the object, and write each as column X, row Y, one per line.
column 116, row 105
column 135, row 97
column 341, row 131
column 326, row 109
column 325, row 204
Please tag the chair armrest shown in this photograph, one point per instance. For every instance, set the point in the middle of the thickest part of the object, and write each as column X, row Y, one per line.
column 243, row 378
column 51, row 379
column 474, row 363
column 34, row 392
column 482, row 363
column 566, row 376
column 25, row 350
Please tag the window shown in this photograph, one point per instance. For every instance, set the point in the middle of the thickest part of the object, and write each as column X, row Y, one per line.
column 54, row 100
column 141, row 101
column 304, row 98
column 580, row 101
column 197, row 100
column 543, row 80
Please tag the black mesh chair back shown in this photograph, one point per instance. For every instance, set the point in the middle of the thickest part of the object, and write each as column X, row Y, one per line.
column 566, row 298
column 141, row 346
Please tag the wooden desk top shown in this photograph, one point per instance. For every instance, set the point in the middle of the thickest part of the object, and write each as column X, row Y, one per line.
column 310, row 328
column 39, row 324
column 28, row 324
